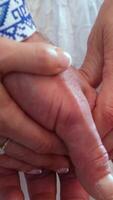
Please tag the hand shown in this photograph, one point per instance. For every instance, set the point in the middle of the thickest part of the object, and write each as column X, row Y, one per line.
column 68, row 182
column 99, row 60
column 98, row 70
column 23, row 57
column 64, row 109
column 10, row 61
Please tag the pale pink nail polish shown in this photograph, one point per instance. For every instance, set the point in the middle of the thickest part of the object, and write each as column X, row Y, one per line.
column 35, row 171
column 63, row 171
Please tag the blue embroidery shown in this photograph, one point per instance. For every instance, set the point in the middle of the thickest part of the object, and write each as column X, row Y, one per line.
column 3, row 12
column 15, row 21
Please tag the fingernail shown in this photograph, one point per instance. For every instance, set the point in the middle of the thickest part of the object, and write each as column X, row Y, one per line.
column 63, row 171
column 104, row 188
column 35, row 171
column 65, row 59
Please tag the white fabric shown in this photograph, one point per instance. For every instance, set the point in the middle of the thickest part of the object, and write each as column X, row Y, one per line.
column 67, row 23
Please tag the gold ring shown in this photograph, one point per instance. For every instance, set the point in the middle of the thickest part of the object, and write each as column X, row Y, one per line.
column 3, row 146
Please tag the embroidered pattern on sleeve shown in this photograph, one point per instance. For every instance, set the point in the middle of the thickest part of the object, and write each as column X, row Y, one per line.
column 15, row 20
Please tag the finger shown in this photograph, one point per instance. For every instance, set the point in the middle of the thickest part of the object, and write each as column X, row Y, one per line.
column 103, row 113
column 42, row 186
column 70, row 117
column 71, row 188
column 28, row 133
column 93, row 63
column 104, row 107
column 87, row 153
column 89, row 92
column 51, row 162
column 11, row 163
column 40, row 58
column 108, row 141
column 10, row 185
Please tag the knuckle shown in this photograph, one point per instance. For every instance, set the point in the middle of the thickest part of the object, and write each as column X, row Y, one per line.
column 98, row 162
column 101, row 162
column 103, row 115
column 104, row 109
column 107, row 112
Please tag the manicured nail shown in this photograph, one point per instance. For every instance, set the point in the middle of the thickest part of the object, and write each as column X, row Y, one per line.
column 63, row 171
column 104, row 188
column 35, row 171
column 64, row 58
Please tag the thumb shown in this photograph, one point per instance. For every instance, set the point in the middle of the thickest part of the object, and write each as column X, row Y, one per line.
column 39, row 58
column 84, row 144
column 71, row 119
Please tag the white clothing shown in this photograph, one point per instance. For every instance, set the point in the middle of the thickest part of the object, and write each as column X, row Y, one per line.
column 67, row 23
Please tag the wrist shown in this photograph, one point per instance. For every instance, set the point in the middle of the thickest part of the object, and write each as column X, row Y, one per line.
column 38, row 37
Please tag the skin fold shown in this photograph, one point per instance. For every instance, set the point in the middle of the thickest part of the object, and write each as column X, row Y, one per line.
column 97, row 68
column 58, row 104
column 37, row 58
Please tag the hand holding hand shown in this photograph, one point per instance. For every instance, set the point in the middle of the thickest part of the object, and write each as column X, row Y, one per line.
column 60, row 102
column 36, row 58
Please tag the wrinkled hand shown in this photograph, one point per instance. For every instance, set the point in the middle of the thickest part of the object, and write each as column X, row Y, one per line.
column 37, row 183
column 59, row 105
column 98, row 69
column 41, row 58
column 25, row 57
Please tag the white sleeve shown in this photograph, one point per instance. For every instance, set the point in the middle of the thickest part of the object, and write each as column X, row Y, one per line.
column 16, row 22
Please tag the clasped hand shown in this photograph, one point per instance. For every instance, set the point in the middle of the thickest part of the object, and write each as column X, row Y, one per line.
column 65, row 99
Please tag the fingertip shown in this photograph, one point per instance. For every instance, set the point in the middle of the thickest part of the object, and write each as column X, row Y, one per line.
column 35, row 172
column 64, row 58
column 61, row 60
column 46, row 59
column 62, row 171
column 104, row 188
